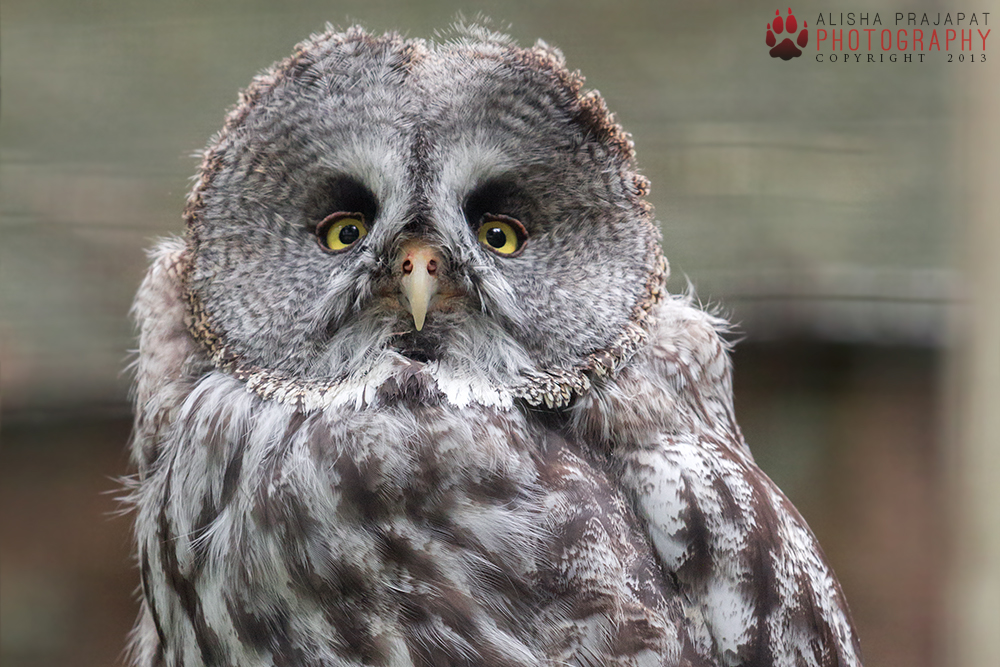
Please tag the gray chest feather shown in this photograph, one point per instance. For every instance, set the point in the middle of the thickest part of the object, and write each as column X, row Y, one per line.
column 420, row 535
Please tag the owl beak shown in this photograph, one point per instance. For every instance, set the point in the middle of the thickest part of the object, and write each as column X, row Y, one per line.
column 419, row 284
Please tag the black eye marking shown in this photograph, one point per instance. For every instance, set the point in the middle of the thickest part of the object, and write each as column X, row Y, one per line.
column 339, row 193
column 498, row 196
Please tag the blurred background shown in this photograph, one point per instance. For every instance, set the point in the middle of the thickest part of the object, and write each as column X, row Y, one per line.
column 844, row 215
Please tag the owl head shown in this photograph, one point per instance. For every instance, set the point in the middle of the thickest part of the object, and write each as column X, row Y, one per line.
column 378, row 210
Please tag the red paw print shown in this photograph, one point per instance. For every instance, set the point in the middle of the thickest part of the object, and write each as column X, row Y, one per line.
column 786, row 50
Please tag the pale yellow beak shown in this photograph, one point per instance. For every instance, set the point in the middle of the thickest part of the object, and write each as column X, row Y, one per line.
column 419, row 265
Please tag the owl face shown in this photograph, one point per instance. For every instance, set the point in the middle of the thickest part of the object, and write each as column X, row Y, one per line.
column 376, row 201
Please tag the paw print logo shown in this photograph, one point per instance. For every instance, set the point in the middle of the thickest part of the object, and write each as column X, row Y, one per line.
column 787, row 49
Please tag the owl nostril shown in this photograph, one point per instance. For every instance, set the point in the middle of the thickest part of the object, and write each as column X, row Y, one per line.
column 431, row 264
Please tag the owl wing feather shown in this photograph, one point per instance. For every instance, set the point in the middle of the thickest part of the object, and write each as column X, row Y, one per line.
column 750, row 568
column 169, row 364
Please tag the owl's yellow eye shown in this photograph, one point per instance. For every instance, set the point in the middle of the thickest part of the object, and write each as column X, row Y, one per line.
column 502, row 234
column 341, row 230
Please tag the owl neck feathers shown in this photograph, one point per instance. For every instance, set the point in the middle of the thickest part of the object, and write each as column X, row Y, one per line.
column 552, row 387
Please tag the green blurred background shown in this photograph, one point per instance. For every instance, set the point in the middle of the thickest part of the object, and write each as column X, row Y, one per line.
column 844, row 215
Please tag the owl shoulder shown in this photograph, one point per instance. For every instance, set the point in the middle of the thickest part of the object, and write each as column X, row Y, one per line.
column 679, row 381
column 169, row 359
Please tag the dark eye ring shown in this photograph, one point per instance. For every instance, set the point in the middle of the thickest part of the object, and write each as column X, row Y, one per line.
column 340, row 231
column 502, row 234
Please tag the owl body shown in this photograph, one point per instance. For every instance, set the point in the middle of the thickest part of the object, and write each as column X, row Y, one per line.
column 411, row 392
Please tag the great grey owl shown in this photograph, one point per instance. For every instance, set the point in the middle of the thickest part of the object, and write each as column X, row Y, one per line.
column 411, row 391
